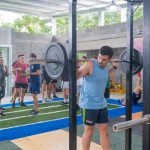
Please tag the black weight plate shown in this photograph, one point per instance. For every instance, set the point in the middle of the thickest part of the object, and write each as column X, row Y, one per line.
column 56, row 52
column 137, row 64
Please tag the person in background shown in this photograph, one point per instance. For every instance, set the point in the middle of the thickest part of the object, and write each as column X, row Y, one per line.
column 65, row 86
column 53, row 88
column 35, row 83
column 46, row 85
column 137, row 92
column 4, row 73
column 21, row 82
column 13, row 78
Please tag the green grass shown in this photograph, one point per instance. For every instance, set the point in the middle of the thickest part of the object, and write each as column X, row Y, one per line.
column 33, row 119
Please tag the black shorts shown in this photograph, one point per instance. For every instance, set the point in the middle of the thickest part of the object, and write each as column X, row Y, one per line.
column 135, row 98
column 21, row 85
column 54, row 81
column 91, row 117
column 2, row 92
column 46, row 81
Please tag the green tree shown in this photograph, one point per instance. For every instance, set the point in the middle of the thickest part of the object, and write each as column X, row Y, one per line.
column 112, row 18
column 83, row 22
column 29, row 24
column 88, row 21
column 62, row 24
column 138, row 13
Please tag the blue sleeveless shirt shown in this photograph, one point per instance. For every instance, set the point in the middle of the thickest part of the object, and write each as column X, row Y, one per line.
column 93, row 88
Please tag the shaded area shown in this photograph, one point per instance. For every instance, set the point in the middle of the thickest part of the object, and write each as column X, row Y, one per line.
column 7, row 145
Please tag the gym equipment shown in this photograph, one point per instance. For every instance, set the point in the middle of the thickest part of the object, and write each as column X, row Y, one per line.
column 129, row 124
column 56, row 61
column 137, row 64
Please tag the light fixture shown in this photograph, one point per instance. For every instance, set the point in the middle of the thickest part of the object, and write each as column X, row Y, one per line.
column 113, row 6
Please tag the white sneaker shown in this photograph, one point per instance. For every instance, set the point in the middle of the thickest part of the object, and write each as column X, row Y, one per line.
column 49, row 100
column 43, row 101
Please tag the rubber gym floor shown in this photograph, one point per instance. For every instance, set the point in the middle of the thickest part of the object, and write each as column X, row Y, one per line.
column 18, row 127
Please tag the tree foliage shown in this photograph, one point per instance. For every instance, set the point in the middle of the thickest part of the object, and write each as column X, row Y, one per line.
column 112, row 18
column 33, row 24
column 138, row 13
column 29, row 24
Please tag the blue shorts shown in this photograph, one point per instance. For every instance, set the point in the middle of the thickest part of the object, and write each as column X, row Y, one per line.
column 35, row 88
column 91, row 117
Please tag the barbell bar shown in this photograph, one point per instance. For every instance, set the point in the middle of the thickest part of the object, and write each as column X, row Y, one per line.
column 132, row 123
column 56, row 61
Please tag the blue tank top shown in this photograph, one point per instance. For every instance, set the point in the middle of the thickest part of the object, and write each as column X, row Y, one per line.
column 93, row 88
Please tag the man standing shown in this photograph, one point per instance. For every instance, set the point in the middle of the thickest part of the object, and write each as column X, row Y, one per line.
column 4, row 73
column 21, row 82
column 92, row 102
column 35, row 83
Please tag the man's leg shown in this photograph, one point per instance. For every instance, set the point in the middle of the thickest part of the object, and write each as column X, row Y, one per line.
column 43, row 91
column 22, row 96
column 65, row 95
column 87, row 136
column 35, row 100
column 16, row 90
column 49, row 89
column 104, row 136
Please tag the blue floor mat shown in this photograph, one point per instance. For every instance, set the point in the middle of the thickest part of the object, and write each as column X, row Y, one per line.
column 37, row 128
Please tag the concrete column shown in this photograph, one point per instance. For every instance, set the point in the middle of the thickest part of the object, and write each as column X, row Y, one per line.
column 123, row 15
column 54, row 27
column 101, row 18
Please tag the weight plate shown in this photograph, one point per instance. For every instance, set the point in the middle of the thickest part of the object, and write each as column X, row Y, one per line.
column 137, row 64
column 56, row 52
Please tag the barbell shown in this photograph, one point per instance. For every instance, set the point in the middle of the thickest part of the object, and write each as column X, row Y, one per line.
column 56, row 61
column 132, row 123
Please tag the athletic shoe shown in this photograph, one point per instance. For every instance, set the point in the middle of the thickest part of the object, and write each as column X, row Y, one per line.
column 49, row 100
column 35, row 113
column 23, row 104
column 43, row 101
column 2, row 108
column 65, row 103
column 31, row 111
column 2, row 114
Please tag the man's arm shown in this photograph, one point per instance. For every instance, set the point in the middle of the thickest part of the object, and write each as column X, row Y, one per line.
column 112, row 75
column 84, row 70
column 6, row 71
column 38, row 72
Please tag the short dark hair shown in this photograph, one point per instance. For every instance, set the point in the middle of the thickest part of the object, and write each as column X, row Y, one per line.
column 84, row 57
column 106, row 50
column 20, row 55
column 33, row 55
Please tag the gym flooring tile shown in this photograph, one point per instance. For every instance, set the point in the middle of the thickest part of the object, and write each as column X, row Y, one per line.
column 55, row 140
column 135, row 115
column 117, row 139
column 8, row 145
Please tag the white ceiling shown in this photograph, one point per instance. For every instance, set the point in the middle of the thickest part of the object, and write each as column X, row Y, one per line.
column 53, row 8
